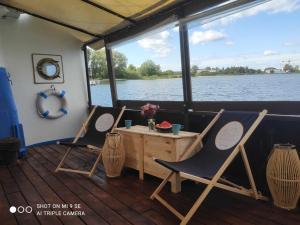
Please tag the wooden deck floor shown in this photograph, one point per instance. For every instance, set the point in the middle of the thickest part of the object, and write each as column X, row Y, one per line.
column 115, row 201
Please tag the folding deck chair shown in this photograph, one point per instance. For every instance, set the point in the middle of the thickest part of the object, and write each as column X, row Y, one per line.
column 99, row 122
column 228, row 132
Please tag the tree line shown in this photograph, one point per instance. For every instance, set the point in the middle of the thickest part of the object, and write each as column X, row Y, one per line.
column 233, row 70
column 291, row 69
column 147, row 70
column 150, row 70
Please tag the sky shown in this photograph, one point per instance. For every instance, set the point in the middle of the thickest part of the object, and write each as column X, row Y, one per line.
column 267, row 35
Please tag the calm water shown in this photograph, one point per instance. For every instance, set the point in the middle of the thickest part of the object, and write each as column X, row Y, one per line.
column 276, row 87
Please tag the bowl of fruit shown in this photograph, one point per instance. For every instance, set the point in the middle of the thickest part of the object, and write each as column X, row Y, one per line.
column 164, row 127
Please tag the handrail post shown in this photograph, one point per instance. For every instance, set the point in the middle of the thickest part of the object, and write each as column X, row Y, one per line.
column 111, row 76
column 185, row 65
column 84, row 49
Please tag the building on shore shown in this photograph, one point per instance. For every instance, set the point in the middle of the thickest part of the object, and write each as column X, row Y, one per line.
column 270, row 70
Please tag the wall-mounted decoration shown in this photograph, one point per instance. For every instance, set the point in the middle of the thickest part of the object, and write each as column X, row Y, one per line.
column 49, row 113
column 47, row 69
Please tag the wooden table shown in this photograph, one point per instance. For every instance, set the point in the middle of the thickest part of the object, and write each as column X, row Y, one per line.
column 142, row 145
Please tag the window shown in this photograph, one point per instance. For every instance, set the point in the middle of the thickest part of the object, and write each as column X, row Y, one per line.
column 250, row 55
column 149, row 67
column 99, row 83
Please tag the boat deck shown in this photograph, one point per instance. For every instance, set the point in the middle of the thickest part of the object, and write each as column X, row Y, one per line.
column 124, row 200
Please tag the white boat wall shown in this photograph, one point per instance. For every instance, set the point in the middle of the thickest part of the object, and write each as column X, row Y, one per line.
column 19, row 39
column 2, row 63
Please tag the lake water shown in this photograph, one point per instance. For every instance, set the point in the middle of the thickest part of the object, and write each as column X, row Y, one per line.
column 275, row 87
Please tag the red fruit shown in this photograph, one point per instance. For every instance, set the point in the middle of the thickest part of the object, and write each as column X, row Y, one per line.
column 165, row 124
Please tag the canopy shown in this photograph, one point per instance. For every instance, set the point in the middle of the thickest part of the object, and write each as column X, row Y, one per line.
column 87, row 19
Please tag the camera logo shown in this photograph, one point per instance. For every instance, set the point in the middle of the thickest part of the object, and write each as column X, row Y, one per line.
column 20, row 209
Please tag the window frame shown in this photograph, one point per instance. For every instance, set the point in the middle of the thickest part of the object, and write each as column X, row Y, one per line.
column 185, row 69
column 276, row 107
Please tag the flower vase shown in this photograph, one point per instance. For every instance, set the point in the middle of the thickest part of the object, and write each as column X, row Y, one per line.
column 151, row 124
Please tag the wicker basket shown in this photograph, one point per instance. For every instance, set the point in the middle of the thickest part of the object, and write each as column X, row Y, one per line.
column 283, row 176
column 113, row 155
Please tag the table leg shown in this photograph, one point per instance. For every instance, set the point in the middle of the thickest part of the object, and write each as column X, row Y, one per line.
column 176, row 183
column 141, row 163
column 141, row 171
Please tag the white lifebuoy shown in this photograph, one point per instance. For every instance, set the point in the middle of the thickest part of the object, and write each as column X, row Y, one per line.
column 47, row 114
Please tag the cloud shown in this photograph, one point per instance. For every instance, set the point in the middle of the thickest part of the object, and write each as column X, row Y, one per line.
column 292, row 44
column 202, row 37
column 158, row 43
column 288, row 44
column 276, row 6
column 271, row 7
column 164, row 34
column 270, row 52
column 175, row 29
column 229, row 42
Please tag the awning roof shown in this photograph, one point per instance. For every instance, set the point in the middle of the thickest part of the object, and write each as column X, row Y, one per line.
column 87, row 19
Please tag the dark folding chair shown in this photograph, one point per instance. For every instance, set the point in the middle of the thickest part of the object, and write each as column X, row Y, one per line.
column 100, row 121
column 228, row 132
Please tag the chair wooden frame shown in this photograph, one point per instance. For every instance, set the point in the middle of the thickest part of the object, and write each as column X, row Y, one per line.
column 216, row 180
column 91, row 148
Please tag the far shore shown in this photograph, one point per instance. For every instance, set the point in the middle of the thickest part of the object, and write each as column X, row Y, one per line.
column 157, row 77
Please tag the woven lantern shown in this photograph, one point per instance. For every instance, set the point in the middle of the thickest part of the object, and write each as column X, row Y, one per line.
column 113, row 155
column 283, row 176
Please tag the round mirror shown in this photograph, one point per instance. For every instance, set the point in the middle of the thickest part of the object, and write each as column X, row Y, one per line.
column 48, row 68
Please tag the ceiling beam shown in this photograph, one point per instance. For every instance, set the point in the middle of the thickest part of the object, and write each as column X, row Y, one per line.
column 53, row 21
column 181, row 10
column 109, row 11
column 221, row 9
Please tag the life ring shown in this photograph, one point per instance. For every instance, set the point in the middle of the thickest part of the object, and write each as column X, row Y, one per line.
column 47, row 114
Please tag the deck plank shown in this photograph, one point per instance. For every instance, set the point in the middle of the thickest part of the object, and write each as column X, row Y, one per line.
column 206, row 215
column 118, row 201
column 31, row 195
column 85, row 195
column 16, row 199
column 47, row 193
column 143, row 199
column 65, row 193
column 7, row 181
column 133, row 198
column 4, row 209
column 132, row 216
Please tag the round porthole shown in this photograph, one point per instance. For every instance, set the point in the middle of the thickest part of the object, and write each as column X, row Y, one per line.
column 229, row 135
column 104, row 122
column 48, row 68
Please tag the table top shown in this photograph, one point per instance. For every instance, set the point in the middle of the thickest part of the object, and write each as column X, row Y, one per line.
column 145, row 130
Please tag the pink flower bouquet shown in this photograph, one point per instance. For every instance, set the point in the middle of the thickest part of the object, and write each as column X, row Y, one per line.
column 149, row 110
